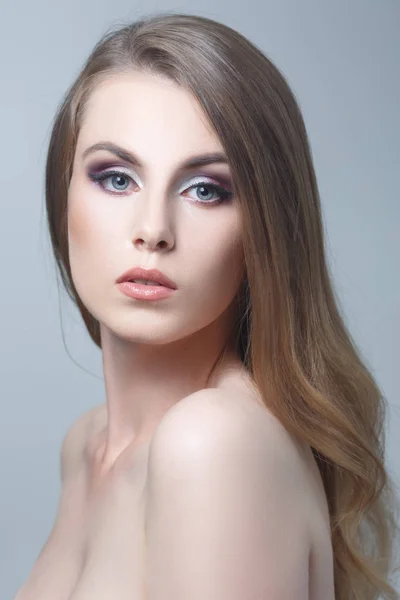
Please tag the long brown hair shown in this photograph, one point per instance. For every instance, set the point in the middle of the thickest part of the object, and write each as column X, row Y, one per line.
column 291, row 333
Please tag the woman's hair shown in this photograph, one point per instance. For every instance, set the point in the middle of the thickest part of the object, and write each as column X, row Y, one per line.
column 290, row 331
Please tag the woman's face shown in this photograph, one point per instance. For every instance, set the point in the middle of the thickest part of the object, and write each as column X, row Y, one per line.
column 118, row 223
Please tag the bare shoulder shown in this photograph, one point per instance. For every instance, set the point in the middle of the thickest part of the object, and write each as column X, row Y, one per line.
column 214, row 419
column 76, row 439
column 224, row 468
column 210, row 418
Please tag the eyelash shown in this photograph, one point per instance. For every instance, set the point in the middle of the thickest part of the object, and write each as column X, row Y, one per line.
column 100, row 177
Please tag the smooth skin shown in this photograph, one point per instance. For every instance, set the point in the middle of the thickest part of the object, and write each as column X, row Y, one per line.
column 179, row 487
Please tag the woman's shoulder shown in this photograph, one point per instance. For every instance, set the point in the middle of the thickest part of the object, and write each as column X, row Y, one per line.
column 238, row 415
column 233, row 416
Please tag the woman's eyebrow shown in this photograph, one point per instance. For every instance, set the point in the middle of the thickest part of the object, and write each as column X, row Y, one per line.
column 130, row 157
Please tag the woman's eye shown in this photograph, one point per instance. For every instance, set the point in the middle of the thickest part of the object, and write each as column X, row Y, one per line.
column 119, row 182
column 204, row 190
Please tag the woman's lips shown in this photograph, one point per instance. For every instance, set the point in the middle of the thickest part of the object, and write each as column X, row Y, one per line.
column 148, row 275
column 142, row 291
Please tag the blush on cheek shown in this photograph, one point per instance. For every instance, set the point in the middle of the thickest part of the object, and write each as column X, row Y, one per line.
column 80, row 226
column 79, row 218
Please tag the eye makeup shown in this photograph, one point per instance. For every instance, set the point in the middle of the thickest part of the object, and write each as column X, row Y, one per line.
column 203, row 171
column 99, row 173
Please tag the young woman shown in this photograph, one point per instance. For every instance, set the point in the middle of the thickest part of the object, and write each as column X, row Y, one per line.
column 239, row 453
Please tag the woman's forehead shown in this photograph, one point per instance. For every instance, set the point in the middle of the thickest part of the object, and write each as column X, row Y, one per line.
column 148, row 116
column 145, row 98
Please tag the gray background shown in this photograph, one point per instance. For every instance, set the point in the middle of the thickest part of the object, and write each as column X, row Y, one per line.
column 341, row 59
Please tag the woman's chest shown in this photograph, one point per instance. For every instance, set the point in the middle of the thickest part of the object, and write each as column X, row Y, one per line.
column 96, row 548
column 113, row 549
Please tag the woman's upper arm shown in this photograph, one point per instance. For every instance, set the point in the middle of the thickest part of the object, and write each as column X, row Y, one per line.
column 225, row 513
